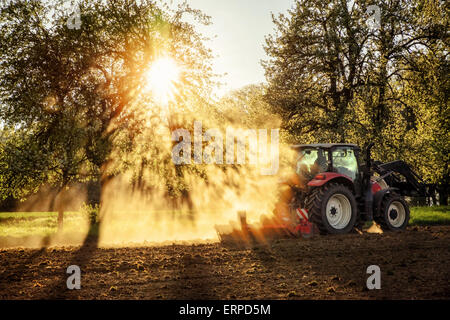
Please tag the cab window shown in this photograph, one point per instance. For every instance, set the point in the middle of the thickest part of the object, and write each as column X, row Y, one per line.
column 311, row 162
column 344, row 162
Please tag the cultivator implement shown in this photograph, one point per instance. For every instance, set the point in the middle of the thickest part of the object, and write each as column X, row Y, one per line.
column 269, row 229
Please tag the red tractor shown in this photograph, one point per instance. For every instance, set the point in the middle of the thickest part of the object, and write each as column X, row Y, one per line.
column 333, row 190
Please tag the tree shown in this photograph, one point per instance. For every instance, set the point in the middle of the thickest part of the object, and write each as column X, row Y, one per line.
column 248, row 107
column 426, row 140
column 331, row 73
column 316, row 64
column 333, row 77
column 74, row 92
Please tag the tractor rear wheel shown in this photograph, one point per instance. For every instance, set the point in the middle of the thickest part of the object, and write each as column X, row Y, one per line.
column 394, row 213
column 332, row 208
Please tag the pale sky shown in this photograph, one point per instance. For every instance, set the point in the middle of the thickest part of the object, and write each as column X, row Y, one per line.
column 240, row 27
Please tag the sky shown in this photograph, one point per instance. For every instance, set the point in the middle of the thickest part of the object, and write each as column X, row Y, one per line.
column 239, row 27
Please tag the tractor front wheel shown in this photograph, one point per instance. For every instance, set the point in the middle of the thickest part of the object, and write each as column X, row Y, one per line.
column 332, row 208
column 394, row 213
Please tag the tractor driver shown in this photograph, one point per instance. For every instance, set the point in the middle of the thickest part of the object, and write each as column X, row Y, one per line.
column 310, row 163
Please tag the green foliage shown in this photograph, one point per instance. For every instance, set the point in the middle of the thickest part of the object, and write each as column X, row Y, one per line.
column 23, row 165
column 426, row 136
column 90, row 212
column 247, row 107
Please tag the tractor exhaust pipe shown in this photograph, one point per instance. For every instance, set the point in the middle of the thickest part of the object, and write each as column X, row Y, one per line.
column 368, row 156
column 369, row 195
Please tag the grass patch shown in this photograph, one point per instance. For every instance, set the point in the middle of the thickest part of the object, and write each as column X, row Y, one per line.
column 22, row 224
column 426, row 216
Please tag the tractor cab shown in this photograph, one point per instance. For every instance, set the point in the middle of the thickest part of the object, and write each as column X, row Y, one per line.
column 314, row 161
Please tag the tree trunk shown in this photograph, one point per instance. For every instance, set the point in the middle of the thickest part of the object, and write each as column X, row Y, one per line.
column 443, row 198
column 94, row 192
column 60, row 207
column 60, row 220
column 433, row 197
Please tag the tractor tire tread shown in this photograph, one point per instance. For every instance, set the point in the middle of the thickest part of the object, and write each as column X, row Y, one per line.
column 313, row 204
column 381, row 220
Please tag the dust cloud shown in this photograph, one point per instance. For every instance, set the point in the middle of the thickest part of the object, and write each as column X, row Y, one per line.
column 153, row 200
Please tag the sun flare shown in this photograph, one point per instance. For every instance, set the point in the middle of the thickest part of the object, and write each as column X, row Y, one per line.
column 161, row 78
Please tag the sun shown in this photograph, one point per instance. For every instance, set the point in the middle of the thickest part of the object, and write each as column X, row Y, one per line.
column 161, row 78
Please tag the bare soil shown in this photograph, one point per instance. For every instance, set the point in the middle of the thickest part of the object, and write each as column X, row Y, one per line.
column 414, row 265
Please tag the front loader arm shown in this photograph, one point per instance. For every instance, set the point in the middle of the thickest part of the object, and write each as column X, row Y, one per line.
column 410, row 185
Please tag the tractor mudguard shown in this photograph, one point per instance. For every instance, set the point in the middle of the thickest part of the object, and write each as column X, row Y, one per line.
column 323, row 178
column 378, row 198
